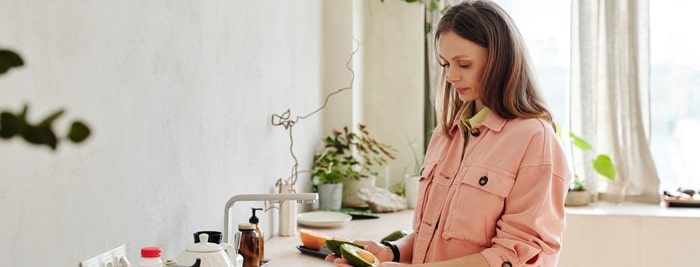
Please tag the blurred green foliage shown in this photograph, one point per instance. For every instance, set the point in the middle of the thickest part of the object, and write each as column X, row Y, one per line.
column 15, row 123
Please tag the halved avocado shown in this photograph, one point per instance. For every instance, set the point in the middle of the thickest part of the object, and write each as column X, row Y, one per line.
column 358, row 257
column 334, row 245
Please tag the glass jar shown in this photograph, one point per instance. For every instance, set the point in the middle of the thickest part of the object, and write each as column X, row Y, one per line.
column 150, row 257
column 249, row 247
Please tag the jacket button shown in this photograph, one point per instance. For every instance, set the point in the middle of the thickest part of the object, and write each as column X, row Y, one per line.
column 475, row 132
column 483, row 180
column 506, row 264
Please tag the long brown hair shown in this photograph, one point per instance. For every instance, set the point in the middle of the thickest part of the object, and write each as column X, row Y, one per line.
column 509, row 85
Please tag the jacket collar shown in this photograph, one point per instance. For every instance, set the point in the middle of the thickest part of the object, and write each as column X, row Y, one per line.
column 493, row 122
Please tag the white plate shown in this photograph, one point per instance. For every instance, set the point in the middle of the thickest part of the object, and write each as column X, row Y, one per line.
column 323, row 219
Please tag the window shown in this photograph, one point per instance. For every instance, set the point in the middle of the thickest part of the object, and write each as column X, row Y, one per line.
column 674, row 76
column 675, row 92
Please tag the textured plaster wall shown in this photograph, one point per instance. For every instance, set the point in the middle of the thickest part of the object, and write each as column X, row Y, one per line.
column 389, row 95
column 179, row 96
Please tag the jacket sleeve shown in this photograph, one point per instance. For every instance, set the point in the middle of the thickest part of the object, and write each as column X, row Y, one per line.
column 529, row 231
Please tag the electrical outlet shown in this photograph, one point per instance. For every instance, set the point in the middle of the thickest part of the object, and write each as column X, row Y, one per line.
column 115, row 257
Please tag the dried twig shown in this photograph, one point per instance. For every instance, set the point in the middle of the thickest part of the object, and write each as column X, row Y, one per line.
column 288, row 124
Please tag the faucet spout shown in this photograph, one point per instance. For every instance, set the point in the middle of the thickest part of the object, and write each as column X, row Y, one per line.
column 272, row 198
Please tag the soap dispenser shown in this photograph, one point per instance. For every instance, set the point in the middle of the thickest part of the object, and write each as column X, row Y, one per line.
column 261, row 238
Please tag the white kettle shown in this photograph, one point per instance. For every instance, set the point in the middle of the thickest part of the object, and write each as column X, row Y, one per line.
column 210, row 254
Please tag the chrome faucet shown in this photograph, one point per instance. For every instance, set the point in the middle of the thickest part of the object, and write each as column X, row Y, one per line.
column 272, row 198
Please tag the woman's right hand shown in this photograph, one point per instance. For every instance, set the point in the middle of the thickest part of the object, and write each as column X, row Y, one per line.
column 383, row 253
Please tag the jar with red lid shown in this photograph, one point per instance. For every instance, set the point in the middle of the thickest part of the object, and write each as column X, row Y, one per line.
column 150, row 257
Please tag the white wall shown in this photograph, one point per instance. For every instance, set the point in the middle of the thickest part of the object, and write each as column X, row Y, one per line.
column 389, row 71
column 179, row 96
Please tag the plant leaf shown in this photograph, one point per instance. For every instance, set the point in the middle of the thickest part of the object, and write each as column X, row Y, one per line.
column 78, row 132
column 579, row 142
column 49, row 120
column 604, row 166
column 433, row 6
column 40, row 135
column 10, row 125
column 444, row 9
column 8, row 60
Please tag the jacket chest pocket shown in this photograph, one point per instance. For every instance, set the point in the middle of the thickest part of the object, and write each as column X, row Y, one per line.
column 477, row 205
column 425, row 182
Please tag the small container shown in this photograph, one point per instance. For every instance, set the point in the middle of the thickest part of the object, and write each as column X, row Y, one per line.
column 150, row 257
column 249, row 247
column 261, row 238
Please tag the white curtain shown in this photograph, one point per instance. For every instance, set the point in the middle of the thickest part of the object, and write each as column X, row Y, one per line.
column 610, row 93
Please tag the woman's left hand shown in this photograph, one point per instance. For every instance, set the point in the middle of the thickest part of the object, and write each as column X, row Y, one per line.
column 340, row 262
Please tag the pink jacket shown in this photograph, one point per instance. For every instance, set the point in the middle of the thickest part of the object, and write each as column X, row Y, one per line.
column 505, row 200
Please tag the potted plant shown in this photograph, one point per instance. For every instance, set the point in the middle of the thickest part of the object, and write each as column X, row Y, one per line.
column 347, row 156
column 602, row 164
column 411, row 177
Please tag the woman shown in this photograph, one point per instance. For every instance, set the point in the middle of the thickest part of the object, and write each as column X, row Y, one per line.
column 494, row 178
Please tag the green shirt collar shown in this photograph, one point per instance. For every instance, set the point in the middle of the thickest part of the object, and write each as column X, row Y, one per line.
column 467, row 118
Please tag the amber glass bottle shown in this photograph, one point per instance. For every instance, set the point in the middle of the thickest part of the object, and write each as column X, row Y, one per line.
column 249, row 248
column 261, row 238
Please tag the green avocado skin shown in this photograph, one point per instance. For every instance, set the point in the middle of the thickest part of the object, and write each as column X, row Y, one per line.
column 349, row 253
column 396, row 235
column 334, row 245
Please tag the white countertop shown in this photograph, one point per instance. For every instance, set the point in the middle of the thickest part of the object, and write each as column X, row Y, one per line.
column 283, row 252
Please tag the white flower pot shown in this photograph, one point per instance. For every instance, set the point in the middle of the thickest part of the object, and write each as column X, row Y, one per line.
column 411, row 186
column 330, row 196
column 577, row 198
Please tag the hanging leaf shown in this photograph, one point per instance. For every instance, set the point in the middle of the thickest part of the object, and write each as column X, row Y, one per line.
column 40, row 135
column 8, row 60
column 51, row 118
column 444, row 9
column 604, row 166
column 433, row 5
column 10, row 125
column 579, row 142
column 78, row 132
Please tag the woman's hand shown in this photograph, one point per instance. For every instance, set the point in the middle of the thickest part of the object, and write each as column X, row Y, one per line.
column 337, row 260
column 340, row 262
column 383, row 253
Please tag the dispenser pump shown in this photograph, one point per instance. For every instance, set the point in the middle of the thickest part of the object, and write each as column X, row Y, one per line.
column 254, row 219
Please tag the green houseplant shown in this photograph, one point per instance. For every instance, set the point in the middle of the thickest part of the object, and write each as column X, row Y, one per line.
column 347, row 156
column 601, row 163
